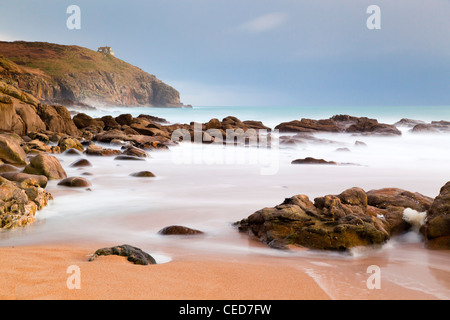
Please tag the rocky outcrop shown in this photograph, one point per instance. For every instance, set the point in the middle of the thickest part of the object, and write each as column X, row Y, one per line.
column 133, row 254
column 19, row 202
column 74, row 75
column 340, row 123
column 437, row 227
column 335, row 222
column 433, row 127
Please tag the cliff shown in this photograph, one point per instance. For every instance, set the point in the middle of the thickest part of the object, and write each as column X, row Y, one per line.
column 72, row 75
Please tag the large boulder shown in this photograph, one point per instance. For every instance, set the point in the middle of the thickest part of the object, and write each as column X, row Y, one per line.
column 437, row 226
column 11, row 151
column 82, row 121
column 333, row 222
column 49, row 166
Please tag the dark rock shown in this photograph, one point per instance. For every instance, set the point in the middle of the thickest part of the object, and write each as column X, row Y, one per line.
column 73, row 152
column 133, row 254
column 179, row 230
column 74, row 182
column 437, row 226
column 126, row 158
column 331, row 223
column 124, row 119
column 82, row 121
column 310, row 160
column 81, row 163
column 135, row 152
column 143, row 174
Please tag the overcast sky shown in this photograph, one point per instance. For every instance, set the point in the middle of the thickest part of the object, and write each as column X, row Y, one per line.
column 262, row 52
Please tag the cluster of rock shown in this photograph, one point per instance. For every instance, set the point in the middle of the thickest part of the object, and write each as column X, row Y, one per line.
column 418, row 126
column 350, row 219
column 339, row 124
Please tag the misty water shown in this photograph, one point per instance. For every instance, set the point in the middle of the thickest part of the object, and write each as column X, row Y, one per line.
column 209, row 187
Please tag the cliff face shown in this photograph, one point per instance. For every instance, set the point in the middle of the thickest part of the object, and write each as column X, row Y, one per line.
column 71, row 74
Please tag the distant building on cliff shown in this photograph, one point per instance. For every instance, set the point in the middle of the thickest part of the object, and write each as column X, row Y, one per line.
column 107, row 50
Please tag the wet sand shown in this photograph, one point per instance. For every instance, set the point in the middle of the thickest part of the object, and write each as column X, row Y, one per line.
column 40, row 273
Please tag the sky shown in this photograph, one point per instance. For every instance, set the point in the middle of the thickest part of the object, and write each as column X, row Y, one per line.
column 262, row 52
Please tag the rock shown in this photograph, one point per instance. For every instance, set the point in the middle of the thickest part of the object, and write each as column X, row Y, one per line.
column 391, row 203
column 37, row 145
column 19, row 203
column 66, row 143
column 213, row 124
column 109, row 123
column 31, row 120
column 133, row 254
column 360, row 144
column 20, row 177
column 96, row 150
column 8, row 168
column 339, row 123
column 433, row 127
column 408, row 123
column 39, row 136
column 179, row 230
column 143, row 174
column 135, row 152
column 82, row 121
column 343, row 150
column 330, row 223
column 384, row 198
column 310, row 160
column 371, row 126
column 11, row 152
column 437, row 226
column 129, row 158
column 75, row 182
column 72, row 152
column 46, row 165
column 9, row 120
column 124, row 119
column 57, row 119
column 81, row 163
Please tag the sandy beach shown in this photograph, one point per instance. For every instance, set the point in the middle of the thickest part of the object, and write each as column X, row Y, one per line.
column 40, row 273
